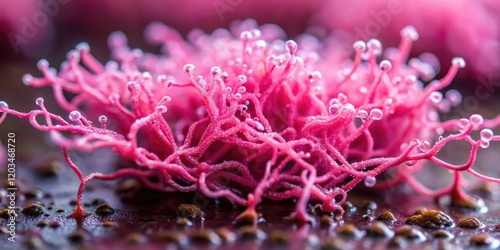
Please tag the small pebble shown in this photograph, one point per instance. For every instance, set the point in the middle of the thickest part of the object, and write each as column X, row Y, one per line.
column 246, row 219
column 386, row 216
column 333, row 243
column 4, row 213
column 42, row 223
column 77, row 236
column 350, row 231
column 33, row 210
column 326, row 221
column 206, row 237
column 189, row 211
column 470, row 223
column 108, row 224
column 369, row 207
column 33, row 242
column 54, row 224
column 184, row 222
column 367, row 218
column 484, row 240
column 445, row 245
column 410, row 233
column 250, row 233
column 73, row 202
column 34, row 194
column 433, row 219
column 97, row 201
column 136, row 239
column 172, row 236
column 443, row 234
column 348, row 207
column 397, row 242
column 225, row 234
column 60, row 210
column 420, row 211
column 379, row 230
column 279, row 238
column 104, row 209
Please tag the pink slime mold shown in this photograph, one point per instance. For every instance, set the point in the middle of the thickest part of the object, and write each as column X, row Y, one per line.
column 254, row 108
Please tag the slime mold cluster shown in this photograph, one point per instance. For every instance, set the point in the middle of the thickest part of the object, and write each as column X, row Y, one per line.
column 281, row 119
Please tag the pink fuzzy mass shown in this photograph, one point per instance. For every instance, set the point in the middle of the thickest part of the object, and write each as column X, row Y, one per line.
column 279, row 119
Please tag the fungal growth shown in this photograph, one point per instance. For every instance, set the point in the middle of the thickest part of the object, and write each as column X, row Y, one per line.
column 247, row 106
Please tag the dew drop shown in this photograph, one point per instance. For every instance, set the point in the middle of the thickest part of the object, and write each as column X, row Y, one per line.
column 39, row 101
column 161, row 109
column 333, row 109
column 362, row 114
column 291, row 46
column 188, row 68
column 103, row 119
column 237, row 96
column 486, row 134
column 242, row 89
column 410, row 32
column 440, row 138
column 215, row 71
column 424, row 146
column 376, row 114
column 75, row 116
column 463, row 123
column 3, row 105
column 436, row 97
column 27, row 78
column 476, row 120
column 229, row 89
column 132, row 86
column 342, row 98
column 458, row 61
column 454, row 97
column 370, row 181
column 359, row 46
column 385, row 65
column 410, row 163
column 484, row 144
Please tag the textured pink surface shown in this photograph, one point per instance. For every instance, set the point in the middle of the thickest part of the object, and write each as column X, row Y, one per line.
column 279, row 118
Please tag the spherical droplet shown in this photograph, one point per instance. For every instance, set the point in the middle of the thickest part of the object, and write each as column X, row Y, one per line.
column 242, row 89
column 463, row 123
column 333, row 109
column 424, row 146
column 3, row 105
column 43, row 63
column 75, row 116
column 27, row 78
column 410, row 32
column 370, row 181
column 385, row 65
column 486, row 134
column 374, row 44
column 39, row 101
column 188, row 68
column 476, row 120
column 342, row 98
column 83, row 46
column 291, row 46
column 237, row 96
column 484, row 144
column 454, row 97
column 458, row 61
column 359, row 46
column 242, row 79
column 215, row 71
column 436, row 96
column 103, row 119
column 362, row 114
column 376, row 114
column 132, row 86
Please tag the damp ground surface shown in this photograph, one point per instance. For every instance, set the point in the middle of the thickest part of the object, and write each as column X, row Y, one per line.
column 125, row 215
